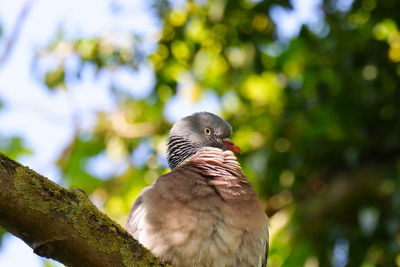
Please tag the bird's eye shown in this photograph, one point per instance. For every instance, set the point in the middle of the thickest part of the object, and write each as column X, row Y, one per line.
column 207, row 131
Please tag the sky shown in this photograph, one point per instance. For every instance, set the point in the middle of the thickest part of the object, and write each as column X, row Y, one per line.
column 45, row 119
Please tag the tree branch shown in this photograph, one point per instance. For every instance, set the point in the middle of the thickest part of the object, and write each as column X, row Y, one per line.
column 63, row 224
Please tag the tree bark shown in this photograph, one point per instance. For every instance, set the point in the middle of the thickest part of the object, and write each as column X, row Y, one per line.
column 63, row 224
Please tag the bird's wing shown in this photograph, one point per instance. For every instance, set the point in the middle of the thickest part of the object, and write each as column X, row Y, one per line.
column 136, row 216
column 266, row 248
column 154, row 199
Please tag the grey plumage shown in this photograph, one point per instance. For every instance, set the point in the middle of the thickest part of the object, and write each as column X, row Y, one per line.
column 204, row 212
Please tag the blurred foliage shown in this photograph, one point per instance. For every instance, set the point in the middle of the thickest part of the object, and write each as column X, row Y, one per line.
column 316, row 115
column 13, row 147
column 105, row 53
column 2, row 231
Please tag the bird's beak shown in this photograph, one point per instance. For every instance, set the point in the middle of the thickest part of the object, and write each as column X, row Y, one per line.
column 228, row 144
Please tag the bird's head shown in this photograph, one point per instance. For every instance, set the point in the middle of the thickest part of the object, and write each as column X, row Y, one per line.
column 193, row 132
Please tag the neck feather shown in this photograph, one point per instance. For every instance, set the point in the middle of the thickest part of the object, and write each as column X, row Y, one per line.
column 223, row 172
column 179, row 149
column 215, row 162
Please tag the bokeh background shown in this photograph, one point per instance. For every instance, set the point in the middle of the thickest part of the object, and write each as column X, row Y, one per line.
column 89, row 90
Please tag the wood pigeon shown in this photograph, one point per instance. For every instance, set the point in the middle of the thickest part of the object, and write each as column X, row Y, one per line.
column 203, row 212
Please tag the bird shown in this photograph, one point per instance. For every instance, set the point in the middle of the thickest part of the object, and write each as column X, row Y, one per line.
column 204, row 212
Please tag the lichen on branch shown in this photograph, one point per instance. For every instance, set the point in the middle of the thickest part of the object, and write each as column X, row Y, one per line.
column 63, row 224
